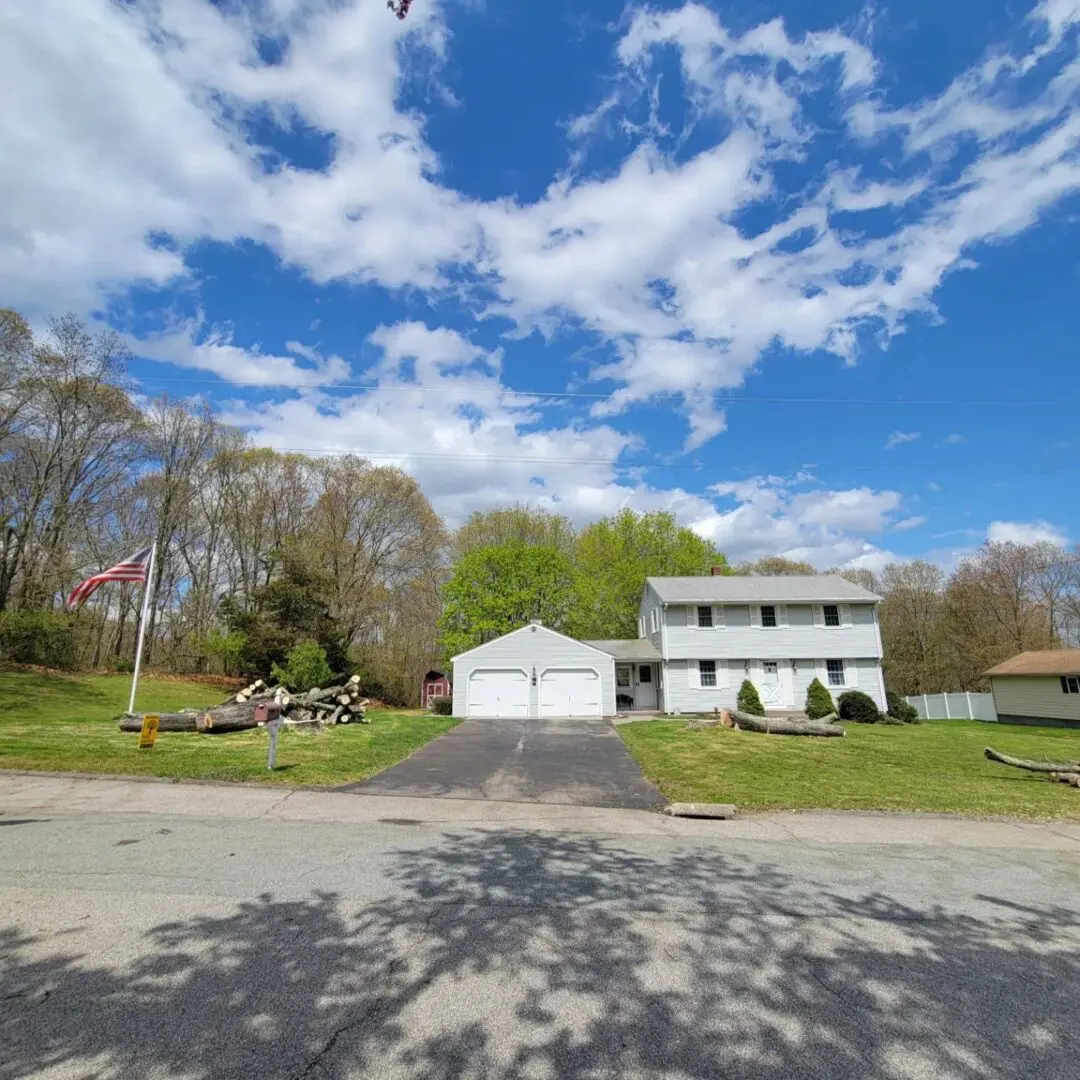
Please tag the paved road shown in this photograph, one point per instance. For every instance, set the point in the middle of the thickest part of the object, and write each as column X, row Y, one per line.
column 579, row 761
column 237, row 934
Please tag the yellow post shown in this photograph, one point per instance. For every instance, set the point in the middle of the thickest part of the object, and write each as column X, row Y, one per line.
column 149, row 731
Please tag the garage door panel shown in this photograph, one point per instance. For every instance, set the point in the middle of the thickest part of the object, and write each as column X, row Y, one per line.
column 498, row 692
column 570, row 692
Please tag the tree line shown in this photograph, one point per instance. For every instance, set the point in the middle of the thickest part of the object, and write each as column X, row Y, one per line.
column 259, row 550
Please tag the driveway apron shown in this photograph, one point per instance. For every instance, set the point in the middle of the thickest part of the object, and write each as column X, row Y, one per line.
column 577, row 761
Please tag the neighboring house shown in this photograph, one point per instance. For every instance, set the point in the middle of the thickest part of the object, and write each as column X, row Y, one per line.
column 435, row 684
column 699, row 638
column 1040, row 688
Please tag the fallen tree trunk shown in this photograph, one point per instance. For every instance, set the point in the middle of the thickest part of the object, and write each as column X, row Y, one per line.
column 783, row 726
column 181, row 721
column 1067, row 767
column 226, row 718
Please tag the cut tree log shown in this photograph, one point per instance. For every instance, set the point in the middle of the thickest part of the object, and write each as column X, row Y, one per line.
column 783, row 726
column 226, row 718
column 181, row 721
column 1068, row 768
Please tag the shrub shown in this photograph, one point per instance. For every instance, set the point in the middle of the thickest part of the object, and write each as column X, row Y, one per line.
column 748, row 700
column 123, row 665
column 38, row 637
column 442, row 706
column 305, row 666
column 901, row 710
column 819, row 701
column 857, row 706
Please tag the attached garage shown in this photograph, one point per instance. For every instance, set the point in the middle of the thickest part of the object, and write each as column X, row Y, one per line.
column 534, row 672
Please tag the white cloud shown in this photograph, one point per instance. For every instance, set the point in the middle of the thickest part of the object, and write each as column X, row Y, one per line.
column 126, row 122
column 955, row 439
column 907, row 523
column 899, row 438
column 191, row 345
column 1025, row 532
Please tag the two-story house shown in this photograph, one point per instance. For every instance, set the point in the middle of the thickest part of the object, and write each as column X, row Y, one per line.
column 711, row 633
column 699, row 638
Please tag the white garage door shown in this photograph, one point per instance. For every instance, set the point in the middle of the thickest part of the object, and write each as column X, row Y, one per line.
column 570, row 692
column 498, row 692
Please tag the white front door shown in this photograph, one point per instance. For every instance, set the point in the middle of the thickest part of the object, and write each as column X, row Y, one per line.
column 645, row 690
column 498, row 692
column 570, row 692
column 770, row 687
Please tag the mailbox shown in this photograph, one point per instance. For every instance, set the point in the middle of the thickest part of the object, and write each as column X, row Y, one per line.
column 267, row 712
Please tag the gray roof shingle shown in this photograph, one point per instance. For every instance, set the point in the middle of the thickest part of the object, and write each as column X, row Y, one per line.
column 628, row 649
column 782, row 589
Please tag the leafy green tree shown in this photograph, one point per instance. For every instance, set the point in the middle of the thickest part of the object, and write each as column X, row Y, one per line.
column 748, row 700
column 819, row 701
column 497, row 589
column 615, row 555
column 305, row 667
column 291, row 608
column 530, row 524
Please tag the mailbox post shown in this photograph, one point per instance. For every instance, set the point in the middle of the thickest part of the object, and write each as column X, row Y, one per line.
column 268, row 713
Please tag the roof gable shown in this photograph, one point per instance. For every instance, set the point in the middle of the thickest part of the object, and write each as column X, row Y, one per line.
column 536, row 628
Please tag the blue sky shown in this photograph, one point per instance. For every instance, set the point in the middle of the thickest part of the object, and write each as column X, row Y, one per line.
column 807, row 275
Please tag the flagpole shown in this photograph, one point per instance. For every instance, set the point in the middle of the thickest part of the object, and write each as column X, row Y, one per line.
column 142, row 626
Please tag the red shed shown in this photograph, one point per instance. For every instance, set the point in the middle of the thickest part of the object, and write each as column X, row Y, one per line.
column 435, row 684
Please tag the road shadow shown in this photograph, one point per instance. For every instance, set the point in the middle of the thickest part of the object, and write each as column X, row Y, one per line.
column 507, row 955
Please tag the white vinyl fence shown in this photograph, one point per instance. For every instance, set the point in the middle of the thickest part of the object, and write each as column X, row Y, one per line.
column 955, row 706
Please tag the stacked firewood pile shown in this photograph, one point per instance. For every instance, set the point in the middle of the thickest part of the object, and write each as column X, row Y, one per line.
column 314, row 709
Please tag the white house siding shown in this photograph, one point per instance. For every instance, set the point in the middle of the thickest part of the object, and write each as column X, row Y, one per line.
column 767, row 643
column 683, row 695
column 651, row 617
column 528, row 648
column 1030, row 698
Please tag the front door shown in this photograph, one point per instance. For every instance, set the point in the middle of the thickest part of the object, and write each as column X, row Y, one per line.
column 772, row 690
column 645, row 695
column 624, row 687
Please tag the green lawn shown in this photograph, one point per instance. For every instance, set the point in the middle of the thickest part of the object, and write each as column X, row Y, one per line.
column 937, row 766
column 69, row 724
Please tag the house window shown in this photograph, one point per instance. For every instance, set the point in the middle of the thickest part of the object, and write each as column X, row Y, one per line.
column 770, row 667
column 768, row 615
column 654, row 617
column 1070, row 684
column 622, row 676
column 835, row 669
column 707, row 672
column 704, row 616
column 832, row 615
column 645, row 674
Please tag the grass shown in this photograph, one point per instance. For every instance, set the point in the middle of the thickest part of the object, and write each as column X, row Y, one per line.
column 68, row 723
column 937, row 766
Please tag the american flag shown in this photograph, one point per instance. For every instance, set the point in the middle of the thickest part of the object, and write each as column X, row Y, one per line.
column 133, row 569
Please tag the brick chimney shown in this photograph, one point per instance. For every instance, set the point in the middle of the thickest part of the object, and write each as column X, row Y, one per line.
column 718, row 571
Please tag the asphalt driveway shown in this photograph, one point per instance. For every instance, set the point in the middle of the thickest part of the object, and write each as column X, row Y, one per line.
column 578, row 761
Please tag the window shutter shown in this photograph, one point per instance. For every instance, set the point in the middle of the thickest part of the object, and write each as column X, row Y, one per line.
column 718, row 618
column 851, row 674
column 819, row 615
column 755, row 615
column 781, row 615
column 641, row 626
column 691, row 616
column 721, row 674
column 845, row 614
column 693, row 674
